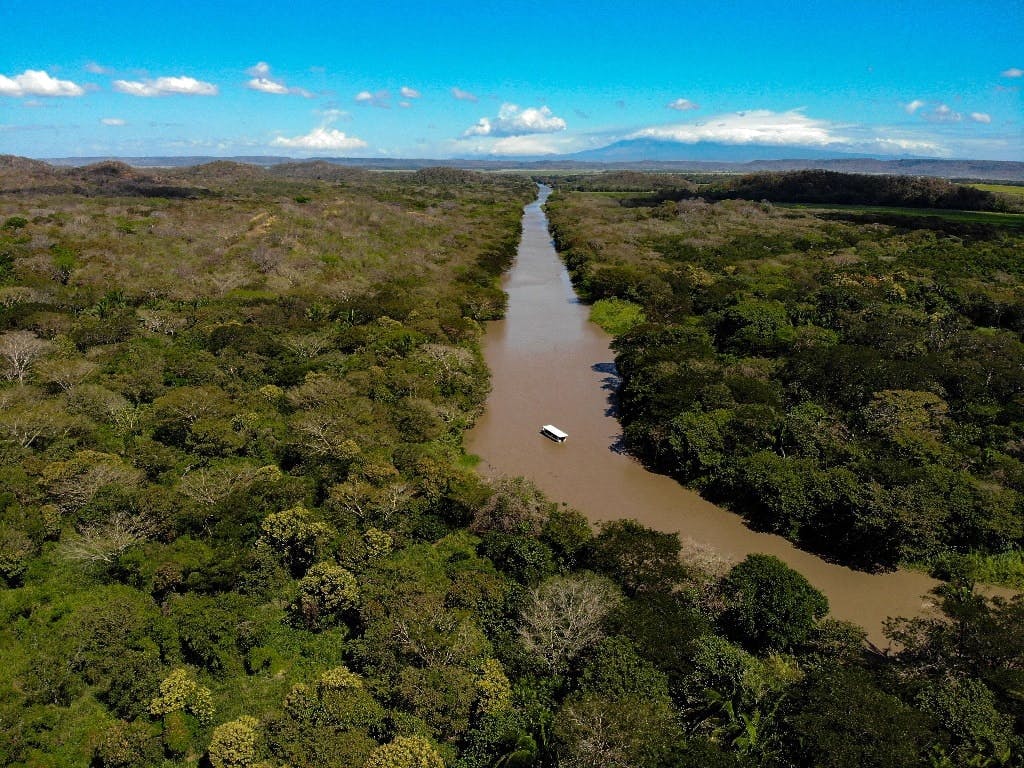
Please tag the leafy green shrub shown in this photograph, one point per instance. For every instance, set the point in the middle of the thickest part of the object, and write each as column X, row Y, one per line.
column 179, row 692
column 769, row 606
column 326, row 593
column 234, row 744
column 405, row 752
column 616, row 316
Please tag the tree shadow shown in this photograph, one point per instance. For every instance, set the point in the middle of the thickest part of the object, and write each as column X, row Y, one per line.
column 611, row 383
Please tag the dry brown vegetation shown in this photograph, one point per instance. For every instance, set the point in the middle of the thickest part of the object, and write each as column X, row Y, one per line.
column 300, row 229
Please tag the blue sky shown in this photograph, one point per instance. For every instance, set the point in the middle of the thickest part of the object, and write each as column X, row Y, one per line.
column 458, row 79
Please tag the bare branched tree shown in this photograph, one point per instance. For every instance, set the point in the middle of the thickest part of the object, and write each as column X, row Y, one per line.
column 516, row 506
column 24, row 421
column 564, row 616
column 325, row 434
column 66, row 373
column 447, row 363
column 307, row 345
column 20, row 349
column 74, row 483
column 161, row 321
column 16, row 294
column 214, row 484
column 106, row 540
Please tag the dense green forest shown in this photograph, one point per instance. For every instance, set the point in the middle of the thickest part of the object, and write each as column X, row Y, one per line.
column 856, row 189
column 238, row 528
column 855, row 386
column 807, row 187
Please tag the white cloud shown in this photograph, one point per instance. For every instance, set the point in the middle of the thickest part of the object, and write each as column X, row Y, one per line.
column 409, row 93
column 381, row 99
column 482, row 128
column 165, row 86
column 511, row 121
column 322, row 138
column 112, row 121
column 682, row 105
column 530, row 144
column 759, row 126
column 264, row 82
column 794, row 129
column 898, row 145
column 97, row 69
column 404, row 104
column 462, row 95
column 1013, row 72
column 943, row 114
column 267, row 85
column 36, row 82
column 535, row 144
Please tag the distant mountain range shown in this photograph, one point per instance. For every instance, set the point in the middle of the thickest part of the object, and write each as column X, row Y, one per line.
column 638, row 154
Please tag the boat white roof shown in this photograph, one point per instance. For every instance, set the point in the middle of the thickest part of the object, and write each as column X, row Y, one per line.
column 552, row 429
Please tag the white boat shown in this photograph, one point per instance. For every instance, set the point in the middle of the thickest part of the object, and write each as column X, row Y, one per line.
column 554, row 433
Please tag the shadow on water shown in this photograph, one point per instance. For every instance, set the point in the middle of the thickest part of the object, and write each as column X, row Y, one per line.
column 610, row 382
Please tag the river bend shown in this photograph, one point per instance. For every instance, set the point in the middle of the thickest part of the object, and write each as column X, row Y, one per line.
column 550, row 365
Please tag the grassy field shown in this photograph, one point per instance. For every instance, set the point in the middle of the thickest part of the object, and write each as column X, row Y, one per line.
column 1006, row 189
column 978, row 217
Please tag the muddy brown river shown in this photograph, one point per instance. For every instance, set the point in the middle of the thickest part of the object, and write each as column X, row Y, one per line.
column 550, row 365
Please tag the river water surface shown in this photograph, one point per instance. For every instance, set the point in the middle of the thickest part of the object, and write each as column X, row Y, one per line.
column 550, row 365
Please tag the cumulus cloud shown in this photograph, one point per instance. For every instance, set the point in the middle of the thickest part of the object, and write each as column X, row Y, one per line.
column 97, row 69
column 166, row 86
column 1013, row 72
column 112, row 121
column 462, row 95
column 682, row 105
column 36, row 82
column 264, row 82
column 381, row 99
column 409, row 93
column 759, row 126
column 322, row 138
column 912, row 107
column 512, row 121
column 981, row 117
column 266, row 85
